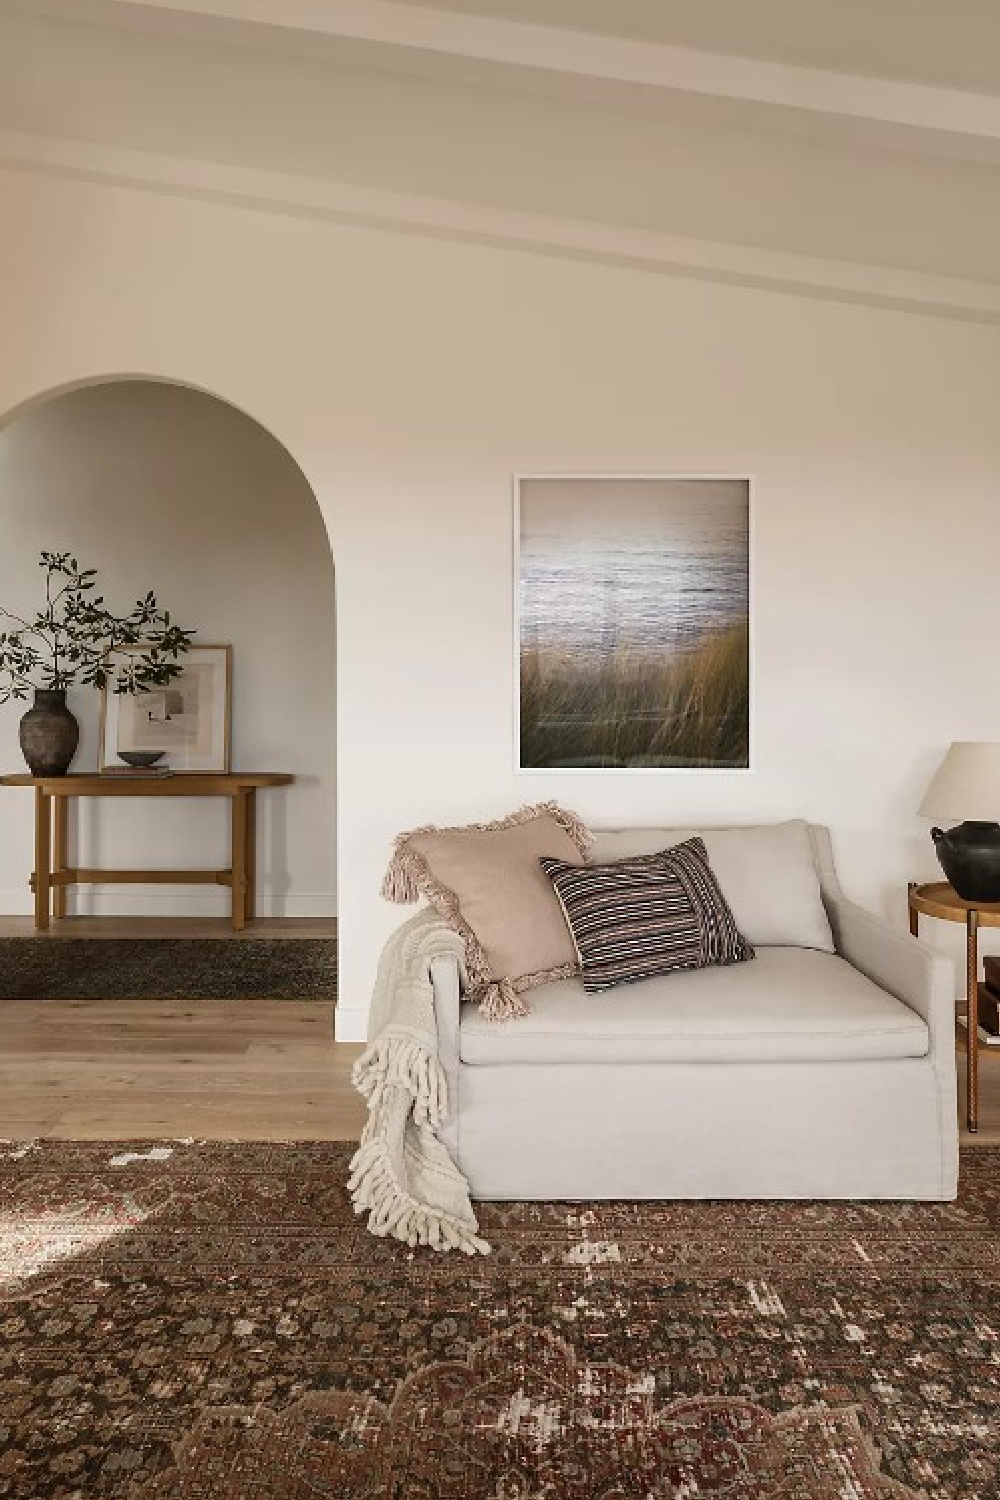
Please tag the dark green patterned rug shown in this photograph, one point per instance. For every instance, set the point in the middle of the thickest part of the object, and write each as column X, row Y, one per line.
column 46, row 968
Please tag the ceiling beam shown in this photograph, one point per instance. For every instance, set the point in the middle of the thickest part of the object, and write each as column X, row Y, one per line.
column 904, row 110
column 442, row 218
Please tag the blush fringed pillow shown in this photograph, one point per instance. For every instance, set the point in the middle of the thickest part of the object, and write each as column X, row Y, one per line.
column 653, row 914
column 486, row 881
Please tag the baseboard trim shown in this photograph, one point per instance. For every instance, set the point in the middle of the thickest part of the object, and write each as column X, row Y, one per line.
column 350, row 1025
column 155, row 901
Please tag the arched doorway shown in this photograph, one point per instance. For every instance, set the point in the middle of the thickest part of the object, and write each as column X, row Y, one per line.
column 163, row 487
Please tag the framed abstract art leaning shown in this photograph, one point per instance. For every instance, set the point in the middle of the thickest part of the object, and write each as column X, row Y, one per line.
column 184, row 726
column 633, row 623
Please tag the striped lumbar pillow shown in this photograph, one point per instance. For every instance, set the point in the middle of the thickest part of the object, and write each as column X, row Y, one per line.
column 651, row 914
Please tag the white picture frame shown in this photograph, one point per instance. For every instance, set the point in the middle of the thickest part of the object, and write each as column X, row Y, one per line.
column 739, row 765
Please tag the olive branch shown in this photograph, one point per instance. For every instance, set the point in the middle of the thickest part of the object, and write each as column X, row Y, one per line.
column 72, row 638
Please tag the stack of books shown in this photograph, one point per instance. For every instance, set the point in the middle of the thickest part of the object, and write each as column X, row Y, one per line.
column 143, row 772
column 989, row 1004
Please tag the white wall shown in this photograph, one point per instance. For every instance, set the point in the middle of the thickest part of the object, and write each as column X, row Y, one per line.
column 411, row 377
column 164, row 488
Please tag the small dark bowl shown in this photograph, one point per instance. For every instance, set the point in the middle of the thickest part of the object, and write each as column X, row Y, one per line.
column 140, row 757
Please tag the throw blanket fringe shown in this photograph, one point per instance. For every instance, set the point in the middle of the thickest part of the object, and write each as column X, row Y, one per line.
column 375, row 1188
column 392, row 1060
column 402, row 1175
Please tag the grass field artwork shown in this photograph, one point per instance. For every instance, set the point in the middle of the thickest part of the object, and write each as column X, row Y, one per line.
column 634, row 623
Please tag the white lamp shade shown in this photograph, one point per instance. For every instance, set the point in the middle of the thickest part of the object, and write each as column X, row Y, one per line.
column 967, row 784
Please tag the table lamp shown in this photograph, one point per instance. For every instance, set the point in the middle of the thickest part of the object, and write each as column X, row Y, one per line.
column 966, row 790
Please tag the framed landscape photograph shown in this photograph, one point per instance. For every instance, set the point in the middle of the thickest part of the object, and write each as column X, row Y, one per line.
column 184, row 726
column 633, row 623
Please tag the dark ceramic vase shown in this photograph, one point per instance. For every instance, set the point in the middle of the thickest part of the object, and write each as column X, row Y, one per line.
column 49, row 734
column 970, row 857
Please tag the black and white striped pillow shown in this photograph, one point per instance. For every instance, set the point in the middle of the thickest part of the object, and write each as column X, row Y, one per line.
column 651, row 914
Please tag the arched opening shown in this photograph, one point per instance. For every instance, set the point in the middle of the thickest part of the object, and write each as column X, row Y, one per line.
column 163, row 487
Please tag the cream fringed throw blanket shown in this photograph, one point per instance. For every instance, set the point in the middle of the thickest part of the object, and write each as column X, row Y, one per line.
column 401, row 1175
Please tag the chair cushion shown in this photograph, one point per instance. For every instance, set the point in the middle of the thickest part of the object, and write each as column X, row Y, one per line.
column 768, row 875
column 789, row 1005
column 653, row 914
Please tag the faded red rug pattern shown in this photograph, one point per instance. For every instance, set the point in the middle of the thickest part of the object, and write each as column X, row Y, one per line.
column 184, row 1321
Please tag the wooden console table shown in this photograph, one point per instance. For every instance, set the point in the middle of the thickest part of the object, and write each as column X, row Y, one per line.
column 53, row 872
column 938, row 899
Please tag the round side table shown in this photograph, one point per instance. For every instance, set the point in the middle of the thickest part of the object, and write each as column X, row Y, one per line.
column 938, row 899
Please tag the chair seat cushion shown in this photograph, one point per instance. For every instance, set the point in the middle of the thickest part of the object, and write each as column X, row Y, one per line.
column 790, row 1005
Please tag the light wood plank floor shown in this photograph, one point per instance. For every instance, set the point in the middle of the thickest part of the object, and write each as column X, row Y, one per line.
column 988, row 1133
column 215, row 1069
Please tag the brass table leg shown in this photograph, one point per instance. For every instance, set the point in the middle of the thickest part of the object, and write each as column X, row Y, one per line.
column 43, row 856
column 972, row 1017
column 239, row 860
column 60, row 859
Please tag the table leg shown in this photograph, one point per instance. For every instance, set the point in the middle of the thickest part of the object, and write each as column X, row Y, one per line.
column 60, row 860
column 972, row 1017
column 239, row 860
column 251, row 854
column 43, row 856
column 914, row 915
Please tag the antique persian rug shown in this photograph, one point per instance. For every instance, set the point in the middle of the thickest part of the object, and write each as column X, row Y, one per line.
column 189, row 1321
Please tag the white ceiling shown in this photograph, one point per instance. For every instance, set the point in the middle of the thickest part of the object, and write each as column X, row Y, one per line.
column 845, row 148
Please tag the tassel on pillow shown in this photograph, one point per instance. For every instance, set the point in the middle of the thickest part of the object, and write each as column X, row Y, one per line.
column 501, row 1002
column 400, row 883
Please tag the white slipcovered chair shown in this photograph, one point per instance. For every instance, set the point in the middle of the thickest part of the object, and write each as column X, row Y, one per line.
column 823, row 1068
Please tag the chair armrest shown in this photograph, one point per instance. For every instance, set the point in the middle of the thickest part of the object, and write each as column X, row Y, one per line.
column 446, row 978
column 922, row 979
